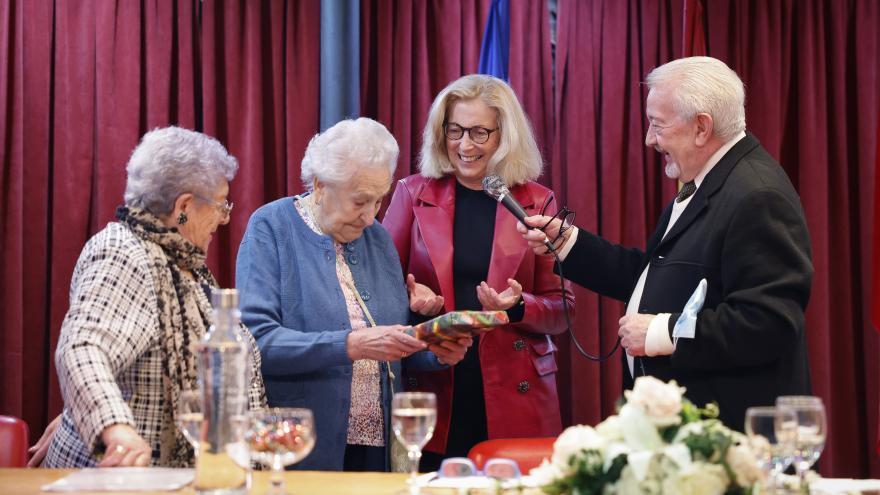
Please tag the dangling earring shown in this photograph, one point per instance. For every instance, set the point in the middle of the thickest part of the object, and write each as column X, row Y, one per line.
column 182, row 218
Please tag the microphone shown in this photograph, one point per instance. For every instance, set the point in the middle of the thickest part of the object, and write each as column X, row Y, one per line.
column 495, row 187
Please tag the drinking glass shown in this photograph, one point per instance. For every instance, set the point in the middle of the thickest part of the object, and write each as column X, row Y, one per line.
column 771, row 432
column 189, row 416
column 413, row 416
column 811, row 432
column 280, row 437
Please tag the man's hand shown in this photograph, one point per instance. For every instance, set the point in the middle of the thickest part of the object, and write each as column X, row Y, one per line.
column 493, row 301
column 633, row 331
column 536, row 238
column 451, row 352
column 124, row 447
column 39, row 449
column 422, row 300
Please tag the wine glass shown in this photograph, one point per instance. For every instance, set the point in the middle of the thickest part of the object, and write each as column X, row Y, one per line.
column 811, row 431
column 279, row 437
column 413, row 416
column 189, row 416
column 771, row 432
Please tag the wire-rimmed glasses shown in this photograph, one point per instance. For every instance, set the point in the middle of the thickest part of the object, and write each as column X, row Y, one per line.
column 811, row 431
column 567, row 216
column 225, row 207
column 478, row 134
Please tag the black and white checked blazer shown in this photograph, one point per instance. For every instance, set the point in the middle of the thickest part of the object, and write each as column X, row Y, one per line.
column 109, row 353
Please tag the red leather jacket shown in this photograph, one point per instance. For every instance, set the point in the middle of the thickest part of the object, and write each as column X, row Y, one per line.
column 518, row 360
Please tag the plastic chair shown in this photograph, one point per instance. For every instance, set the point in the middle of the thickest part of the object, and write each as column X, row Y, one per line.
column 14, row 439
column 527, row 452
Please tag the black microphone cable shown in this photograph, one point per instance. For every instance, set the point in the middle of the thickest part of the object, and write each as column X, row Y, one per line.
column 496, row 187
column 574, row 340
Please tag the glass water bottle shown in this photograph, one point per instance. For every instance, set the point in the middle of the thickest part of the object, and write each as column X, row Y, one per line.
column 222, row 463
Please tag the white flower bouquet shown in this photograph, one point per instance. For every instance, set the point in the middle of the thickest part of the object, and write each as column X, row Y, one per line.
column 658, row 443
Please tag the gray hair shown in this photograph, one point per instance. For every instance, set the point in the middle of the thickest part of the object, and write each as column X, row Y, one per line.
column 172, row 161
column 704, row 85
column 517, row 159
column 334, row 155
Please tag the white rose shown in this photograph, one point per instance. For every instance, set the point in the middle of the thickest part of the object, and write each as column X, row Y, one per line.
column 699, row 478
column 744, row 465
column 695, row 428
column 661, row 402
column 573, row 441
column 629, row 484
column 610, row 429
column 547, row 473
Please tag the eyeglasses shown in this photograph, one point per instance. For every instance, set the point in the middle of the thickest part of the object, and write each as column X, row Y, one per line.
column 477, row 134
column 497, row 467
column 567, row 216
column 225, row 207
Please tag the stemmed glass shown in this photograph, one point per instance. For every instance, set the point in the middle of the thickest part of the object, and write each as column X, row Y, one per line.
column 280, row 437
column 413, row 416
column 771, row 432
column 189, row 416
column 811, row 432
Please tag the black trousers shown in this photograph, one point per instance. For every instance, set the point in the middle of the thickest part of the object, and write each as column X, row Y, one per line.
column 364, row 458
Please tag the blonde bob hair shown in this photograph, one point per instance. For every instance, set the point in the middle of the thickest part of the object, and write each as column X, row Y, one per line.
column 517, row 159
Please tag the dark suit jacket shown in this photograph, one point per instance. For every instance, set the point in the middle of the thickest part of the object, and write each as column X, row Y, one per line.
column 518, row 360
column 744, row 232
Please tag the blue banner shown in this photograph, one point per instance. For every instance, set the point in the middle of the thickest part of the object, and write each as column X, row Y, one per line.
column 495, row 50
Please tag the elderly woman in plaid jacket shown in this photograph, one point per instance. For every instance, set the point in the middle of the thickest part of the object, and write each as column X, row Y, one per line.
column 138, row 301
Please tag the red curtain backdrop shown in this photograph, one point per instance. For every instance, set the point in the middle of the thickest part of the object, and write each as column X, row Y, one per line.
column 409, row 52
column 875, row 257
column 81, row 81
column 811, row 71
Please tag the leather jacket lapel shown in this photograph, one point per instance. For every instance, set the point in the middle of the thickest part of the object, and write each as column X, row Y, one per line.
column 434, row 211
column 508, row 246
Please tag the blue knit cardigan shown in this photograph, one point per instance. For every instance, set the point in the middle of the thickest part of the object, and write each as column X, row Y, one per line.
column 292, row 302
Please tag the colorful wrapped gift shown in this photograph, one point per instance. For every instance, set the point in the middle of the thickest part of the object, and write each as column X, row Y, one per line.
column 456, row 324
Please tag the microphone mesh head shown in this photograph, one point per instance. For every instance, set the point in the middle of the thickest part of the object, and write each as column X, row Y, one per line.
column 494, row 186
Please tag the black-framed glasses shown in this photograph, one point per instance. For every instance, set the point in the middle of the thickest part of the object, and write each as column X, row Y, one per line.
column 477, row 133
column 567, row 216
column 225, row 206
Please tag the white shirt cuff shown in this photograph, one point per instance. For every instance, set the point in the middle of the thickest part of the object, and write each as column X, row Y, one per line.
column 567, row 248
column 657, row 341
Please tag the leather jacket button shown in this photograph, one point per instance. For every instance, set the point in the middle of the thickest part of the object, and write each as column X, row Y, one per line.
column 412, row 382
column 523, row 387
column 519, row 344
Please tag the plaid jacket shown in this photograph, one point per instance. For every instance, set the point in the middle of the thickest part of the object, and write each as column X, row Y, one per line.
column 109, row 352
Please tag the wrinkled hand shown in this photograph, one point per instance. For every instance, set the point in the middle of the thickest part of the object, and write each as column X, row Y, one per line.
column 451, row 352
column 124, row 447
column 39, row 449
column 493, row 301
column 536, row 238
column 382, row 343
column 633, row 331
column 422, row 299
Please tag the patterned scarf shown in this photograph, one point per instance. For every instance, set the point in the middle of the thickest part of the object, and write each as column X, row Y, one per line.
column 183, row 319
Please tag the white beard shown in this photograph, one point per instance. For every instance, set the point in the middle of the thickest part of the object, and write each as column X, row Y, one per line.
column 673, row 171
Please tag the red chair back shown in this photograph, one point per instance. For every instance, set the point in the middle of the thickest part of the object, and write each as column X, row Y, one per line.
column 527, row 452
column 13, row 442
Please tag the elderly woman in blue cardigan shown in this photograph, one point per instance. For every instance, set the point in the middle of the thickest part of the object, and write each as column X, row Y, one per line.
column 323, row 293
